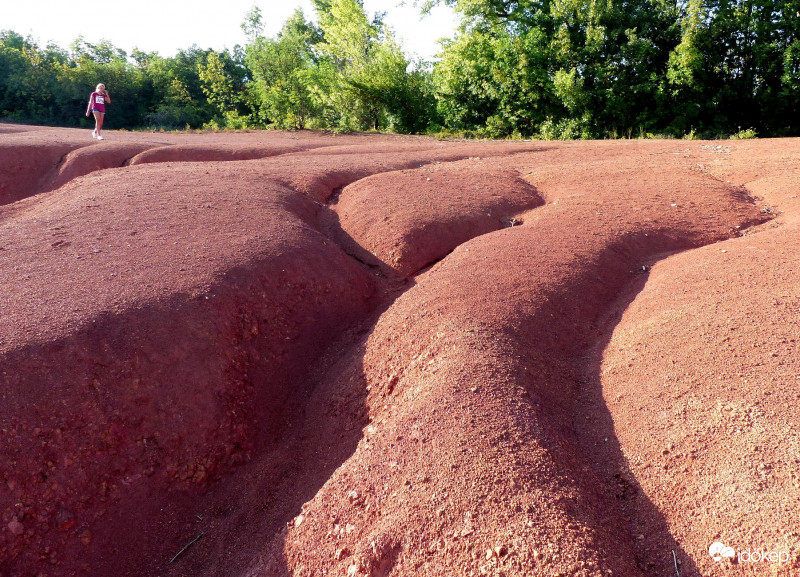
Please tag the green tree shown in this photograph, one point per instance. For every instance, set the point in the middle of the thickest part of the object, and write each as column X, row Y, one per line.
column 222, row 81
column 91, row 64
column 280, row 70
column 494, row 80
column 173, row 89
column 217, row 84
column 685, row 76
column 582, row 65
column 52, row 85
column 253, row 25
column 734, row 66
column 361, row 80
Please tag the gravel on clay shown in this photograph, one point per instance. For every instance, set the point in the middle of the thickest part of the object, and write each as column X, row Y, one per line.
column 267, row 354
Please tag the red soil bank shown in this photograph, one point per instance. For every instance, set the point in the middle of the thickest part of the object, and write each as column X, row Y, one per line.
column 217, row 366
column 86, row 160
column 411, row 219
column 473, row 460
column 26, row 168
column 702, row 377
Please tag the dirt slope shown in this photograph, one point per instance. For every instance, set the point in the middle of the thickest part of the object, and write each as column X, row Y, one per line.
column 229, row 354
column 702, row 377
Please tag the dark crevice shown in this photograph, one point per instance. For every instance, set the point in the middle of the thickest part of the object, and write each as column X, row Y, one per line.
column 333, row 199
column 593, row 424
column 648, row 531
column 428, row 266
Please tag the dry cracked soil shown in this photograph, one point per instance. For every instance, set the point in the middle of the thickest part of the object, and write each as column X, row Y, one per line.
column 276, row 354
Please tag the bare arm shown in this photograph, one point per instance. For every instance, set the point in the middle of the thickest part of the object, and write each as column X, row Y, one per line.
column 108, row 97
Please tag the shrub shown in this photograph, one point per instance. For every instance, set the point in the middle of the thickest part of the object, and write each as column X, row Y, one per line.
column 744, row 134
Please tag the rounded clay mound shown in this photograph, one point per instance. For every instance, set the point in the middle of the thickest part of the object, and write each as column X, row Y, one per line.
column 293, row 354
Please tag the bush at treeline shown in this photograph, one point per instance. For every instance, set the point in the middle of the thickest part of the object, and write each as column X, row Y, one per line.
column 515, row 68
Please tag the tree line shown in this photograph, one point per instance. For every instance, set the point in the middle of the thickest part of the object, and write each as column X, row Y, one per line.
column 514, row 68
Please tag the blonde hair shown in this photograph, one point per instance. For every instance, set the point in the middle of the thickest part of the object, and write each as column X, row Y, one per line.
column 99, row 87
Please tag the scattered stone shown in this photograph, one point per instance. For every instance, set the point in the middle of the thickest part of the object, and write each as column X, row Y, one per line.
column 16, row 527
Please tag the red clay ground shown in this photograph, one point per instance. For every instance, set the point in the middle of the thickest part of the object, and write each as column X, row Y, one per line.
column 268, row 354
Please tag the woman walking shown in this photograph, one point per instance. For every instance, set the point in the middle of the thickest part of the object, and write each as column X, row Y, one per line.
column 97, row 106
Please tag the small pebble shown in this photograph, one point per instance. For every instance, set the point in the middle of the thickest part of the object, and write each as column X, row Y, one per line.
column 15, row 527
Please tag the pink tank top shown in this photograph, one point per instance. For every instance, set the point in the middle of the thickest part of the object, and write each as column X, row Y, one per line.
column 98, row 102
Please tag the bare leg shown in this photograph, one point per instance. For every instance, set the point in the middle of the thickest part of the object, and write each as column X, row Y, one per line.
column 98, row 122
